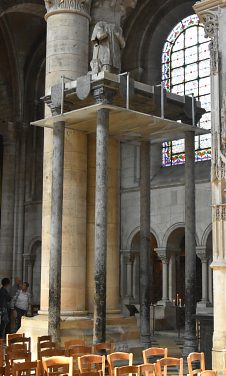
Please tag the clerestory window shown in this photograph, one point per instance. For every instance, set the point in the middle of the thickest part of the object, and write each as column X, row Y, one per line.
column 186, row 70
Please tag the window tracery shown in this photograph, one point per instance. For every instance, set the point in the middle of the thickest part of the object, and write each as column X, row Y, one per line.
column 186, row 70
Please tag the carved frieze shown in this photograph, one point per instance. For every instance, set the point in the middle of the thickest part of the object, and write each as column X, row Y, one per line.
column 76, row 5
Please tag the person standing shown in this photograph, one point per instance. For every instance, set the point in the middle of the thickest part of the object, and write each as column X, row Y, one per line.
column 21, row 303
column 4, row 305
column 17, row 286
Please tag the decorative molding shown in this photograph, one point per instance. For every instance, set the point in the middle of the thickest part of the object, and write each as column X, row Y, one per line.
column 202, row 253
column 78, row 6
column 219, row 212
column 210, row 20
column 203, row 5
column 162, row 254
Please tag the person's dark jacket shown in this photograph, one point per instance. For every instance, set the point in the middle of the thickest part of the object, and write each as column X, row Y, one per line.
column 4, row 298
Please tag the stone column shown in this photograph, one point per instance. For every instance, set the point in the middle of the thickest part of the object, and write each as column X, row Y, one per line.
column 213, row 14
column 202, row 254
column 99, row 321
column 56, row 231
column 67, row 54
column 129, row 275
column 8, row 202
column 146, row 274
column 162, row 254
column 190, row 340
column 18, row 246
column 172, row 277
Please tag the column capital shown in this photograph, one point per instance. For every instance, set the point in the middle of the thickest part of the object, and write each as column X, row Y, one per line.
column 162, row 254
column 202, row 253
column 81, row 7
column 204, row 5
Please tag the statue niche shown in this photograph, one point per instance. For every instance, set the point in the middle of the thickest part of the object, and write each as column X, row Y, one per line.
column 107, row 42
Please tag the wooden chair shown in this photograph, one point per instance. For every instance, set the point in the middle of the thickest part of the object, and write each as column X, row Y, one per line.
column 58, row 365
column 26, row 369
column 169, row 362
column 119, row 357
column 194, row 358
column 103, row 348
column 1, row 352
column 76, row 352
column 12, row 356
column 74, row 342
column 147, row 369
column 126, row 370
column 154, row 353
column 93, row 373
column 19, row 343
column 208, row 372
column 46, row 345
column 47, row 353
column 91, row 363
column 11, row 336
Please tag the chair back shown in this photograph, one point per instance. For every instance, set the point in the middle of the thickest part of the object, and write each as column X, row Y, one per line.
column 117, row 358
column 126, row 370
column 91, row 362
column 26, row 369
column 208, row 372
column 19, row 343
column 47, row 353
column 196, row 363
column 11, row 336
column 46, row 345
column 58, row 365
column 151, row 354
column 103, row 348
column 169, row 362
column 44, row 339
column 76, row 352
column 147, row 369
column 11, row 356
column 74, row 342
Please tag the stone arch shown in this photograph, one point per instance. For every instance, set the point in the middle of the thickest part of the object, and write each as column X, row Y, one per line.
column 206, row 235
column 135, row 231
column 172, row 228
column 32, row 268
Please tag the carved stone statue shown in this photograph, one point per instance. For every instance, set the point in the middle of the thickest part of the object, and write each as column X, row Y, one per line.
column 107, row 42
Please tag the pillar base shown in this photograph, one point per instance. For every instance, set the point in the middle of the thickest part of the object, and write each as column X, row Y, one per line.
column 204, row 307
column 122, row 331
column 67, row 313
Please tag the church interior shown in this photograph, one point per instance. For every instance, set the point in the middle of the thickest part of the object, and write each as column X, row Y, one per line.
column 112, row 168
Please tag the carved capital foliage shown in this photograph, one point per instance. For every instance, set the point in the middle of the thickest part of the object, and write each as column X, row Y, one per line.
column 219, row 213
column 202, row 253
column 162, row 254
column 210, row 20
column 82, row 6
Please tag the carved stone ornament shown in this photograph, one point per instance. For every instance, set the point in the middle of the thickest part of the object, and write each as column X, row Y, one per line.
column 219, row 213
column 77, row 5
column 211, row 31
column 162, row 254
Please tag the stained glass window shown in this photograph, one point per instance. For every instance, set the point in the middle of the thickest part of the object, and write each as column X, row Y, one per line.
column 186, row 70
